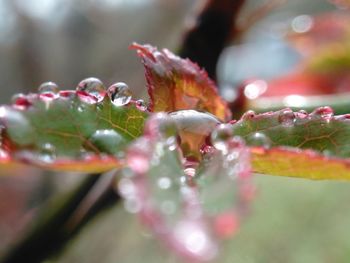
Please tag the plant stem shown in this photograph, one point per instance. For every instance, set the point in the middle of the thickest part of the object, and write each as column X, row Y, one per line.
column 211, row 31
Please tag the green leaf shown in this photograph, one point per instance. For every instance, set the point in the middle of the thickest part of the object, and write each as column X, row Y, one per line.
column 69, row 130
column 286, row 143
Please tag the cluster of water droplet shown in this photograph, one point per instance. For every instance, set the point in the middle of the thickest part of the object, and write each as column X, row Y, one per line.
column 225, row 183
column 90, row 90
column 154, row 187
column 180, row 211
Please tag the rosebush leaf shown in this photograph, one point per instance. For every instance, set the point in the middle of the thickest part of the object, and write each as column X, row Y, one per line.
column 179, row 205
column 178, row 84
column 68, row 130
column 287, row 143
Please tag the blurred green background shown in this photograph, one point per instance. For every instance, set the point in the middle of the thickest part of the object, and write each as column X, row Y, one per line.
column 64, row 41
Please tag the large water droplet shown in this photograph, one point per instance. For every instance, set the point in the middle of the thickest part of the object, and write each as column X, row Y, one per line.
column 119, row 93
column 286, row 118
column 259, row 139
column 18, row 127
column 160, row 124
column 48, row 87
column 108, row 141
column 220, row 136
column 93, row 87
column 194, row 128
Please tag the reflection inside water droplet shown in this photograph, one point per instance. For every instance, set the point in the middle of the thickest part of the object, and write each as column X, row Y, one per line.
column 220, row 136
column 47, row 153
column 93, row 87
column 20, row 101
column 119, row 94
column 48, row 87
column 107, row 141
column 259, row 139
column 141, row 105
column 287, row 118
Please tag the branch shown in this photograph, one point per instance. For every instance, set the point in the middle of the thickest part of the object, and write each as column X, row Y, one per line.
column 212, row 29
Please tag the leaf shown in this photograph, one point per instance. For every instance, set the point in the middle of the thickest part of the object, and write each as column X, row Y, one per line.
column 175, row 202
column 286, row 143
column 179, row 84
column 69, row 130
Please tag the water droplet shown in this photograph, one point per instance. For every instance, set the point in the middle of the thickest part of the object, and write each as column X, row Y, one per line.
column 132, row 205
column 220, row 136
column 259, row 139
column 20, row 101
column 48, row 88
column 18, row 127
column 324, row 112
column 47, row 153
column 164, row 182
column 127, row 188
column 248, row 115
column 119, row 93
column 196, row 240
column 93, row 87
column 161, row 125
column 108, row 141
column 141, row 105
column 286, row 118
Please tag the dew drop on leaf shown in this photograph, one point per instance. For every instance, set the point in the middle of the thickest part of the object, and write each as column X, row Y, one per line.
column 93, row 87
column 20, row 101
column 160, row 124
column 221, row 183
column 259, row 139
column 287, row 118
column 248, row 115
column 48, row 88
column 47, row 153
column 18, row 127
column 220, row 136
column 141, row 105
column 324, row 112
column 119, row 93
column 194, row 129
column 108, row 141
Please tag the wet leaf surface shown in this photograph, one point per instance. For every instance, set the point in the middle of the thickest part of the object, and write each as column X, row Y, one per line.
column 70, row 130
column 287, row 143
